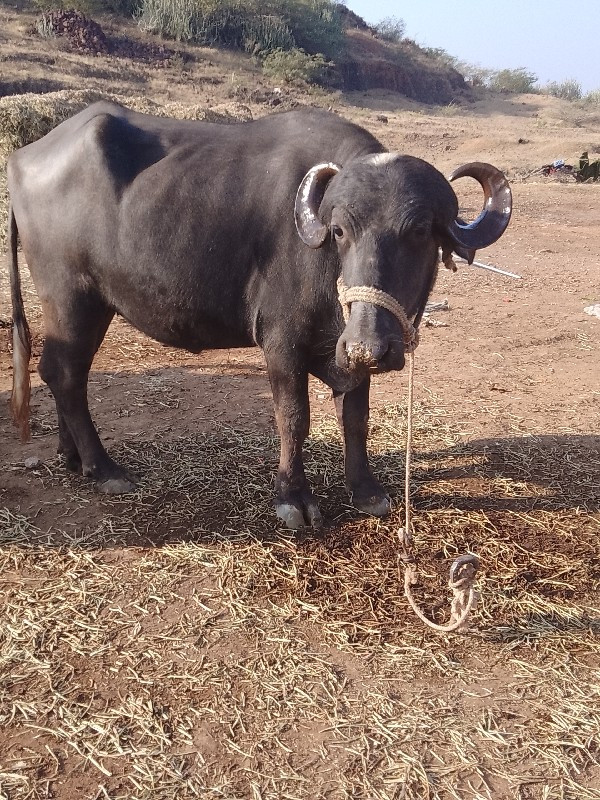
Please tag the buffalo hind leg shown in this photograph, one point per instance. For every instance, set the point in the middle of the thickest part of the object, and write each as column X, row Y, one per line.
column 67, row 447
column 295, row 503
column 366, row 493
column 73, row 338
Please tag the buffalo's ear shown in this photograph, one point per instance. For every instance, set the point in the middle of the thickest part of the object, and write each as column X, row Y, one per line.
column 310, row 193
column 466, row 253
column 447, row 246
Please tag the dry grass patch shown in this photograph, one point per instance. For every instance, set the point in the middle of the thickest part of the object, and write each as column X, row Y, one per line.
column 186, row 647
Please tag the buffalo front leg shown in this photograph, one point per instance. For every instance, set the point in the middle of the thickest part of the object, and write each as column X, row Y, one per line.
column 366, row 493
column 294, row 502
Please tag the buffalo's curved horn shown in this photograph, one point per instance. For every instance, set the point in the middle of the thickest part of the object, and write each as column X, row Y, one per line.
column 311, row 230
column 495, row 216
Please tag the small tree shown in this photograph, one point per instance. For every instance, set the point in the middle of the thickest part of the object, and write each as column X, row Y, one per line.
column 391, row 29
column 443, row 56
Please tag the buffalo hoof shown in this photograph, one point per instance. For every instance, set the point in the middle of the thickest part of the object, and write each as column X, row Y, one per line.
column 375, row 506
column 296, row 518
column 116, row 486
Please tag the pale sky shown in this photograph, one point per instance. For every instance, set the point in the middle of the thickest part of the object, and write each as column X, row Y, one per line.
column 554, row 39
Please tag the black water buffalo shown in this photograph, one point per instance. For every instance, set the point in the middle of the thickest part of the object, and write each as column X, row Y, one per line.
column 215, row 236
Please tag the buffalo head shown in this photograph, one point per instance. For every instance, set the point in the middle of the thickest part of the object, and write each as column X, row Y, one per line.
column 387, row 216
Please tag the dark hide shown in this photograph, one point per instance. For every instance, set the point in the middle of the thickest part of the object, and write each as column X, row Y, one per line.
column 186, row 229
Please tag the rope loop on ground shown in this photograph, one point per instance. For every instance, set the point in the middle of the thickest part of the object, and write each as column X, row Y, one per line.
column 464, row 598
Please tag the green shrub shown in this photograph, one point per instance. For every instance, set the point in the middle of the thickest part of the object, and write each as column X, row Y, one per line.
column 316, row 26
column 126, row 8
column 266, row 34
column 44, row 27
column 391, row 29
column 232, row 24
column 85, row 6
column 295, row 65
column 174, row 19
column 516, row 81
column 476, row 75
column 569, row 89
column 256, row 26
column 442, row 56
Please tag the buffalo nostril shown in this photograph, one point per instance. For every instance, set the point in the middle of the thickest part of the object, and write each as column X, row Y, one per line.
column 365, row 355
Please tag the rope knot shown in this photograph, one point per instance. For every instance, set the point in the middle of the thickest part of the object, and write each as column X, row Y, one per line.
column 464, row 597
column 448, row 261
column 369, row 294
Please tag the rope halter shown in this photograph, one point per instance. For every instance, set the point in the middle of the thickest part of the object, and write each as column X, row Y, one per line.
column 368, row 294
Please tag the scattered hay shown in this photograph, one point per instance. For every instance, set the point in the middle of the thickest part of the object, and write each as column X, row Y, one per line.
column 186, row 647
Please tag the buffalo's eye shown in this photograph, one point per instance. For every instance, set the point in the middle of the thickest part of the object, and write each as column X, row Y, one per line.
column 420, row 232
column 338, row 232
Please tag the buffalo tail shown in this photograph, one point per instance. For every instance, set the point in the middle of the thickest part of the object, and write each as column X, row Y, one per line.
column 21, row 389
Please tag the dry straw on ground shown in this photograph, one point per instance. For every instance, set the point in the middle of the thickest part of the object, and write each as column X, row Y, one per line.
column 184, row 647
column 178, row 645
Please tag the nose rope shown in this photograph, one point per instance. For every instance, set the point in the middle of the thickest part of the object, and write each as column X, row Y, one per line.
column 369, row 294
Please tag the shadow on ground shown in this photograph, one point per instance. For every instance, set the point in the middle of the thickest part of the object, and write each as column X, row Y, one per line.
column 204, row 447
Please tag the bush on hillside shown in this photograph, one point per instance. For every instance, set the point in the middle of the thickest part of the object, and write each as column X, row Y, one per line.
column 392, row 29
column 256, row 26
column 593, row 98
column 441, row 55
column 125, row 8
column 316, row 25
column 515, row 81
column 230, row 24
column 569, row 89
column 295, row 65
column 473, row 73
column 84, row 6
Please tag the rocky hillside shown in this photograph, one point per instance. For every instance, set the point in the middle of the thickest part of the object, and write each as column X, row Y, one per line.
column 371, row 63
column 366, row 61
column 404, row 67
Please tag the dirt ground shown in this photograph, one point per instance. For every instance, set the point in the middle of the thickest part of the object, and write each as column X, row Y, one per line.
column 176, row 644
